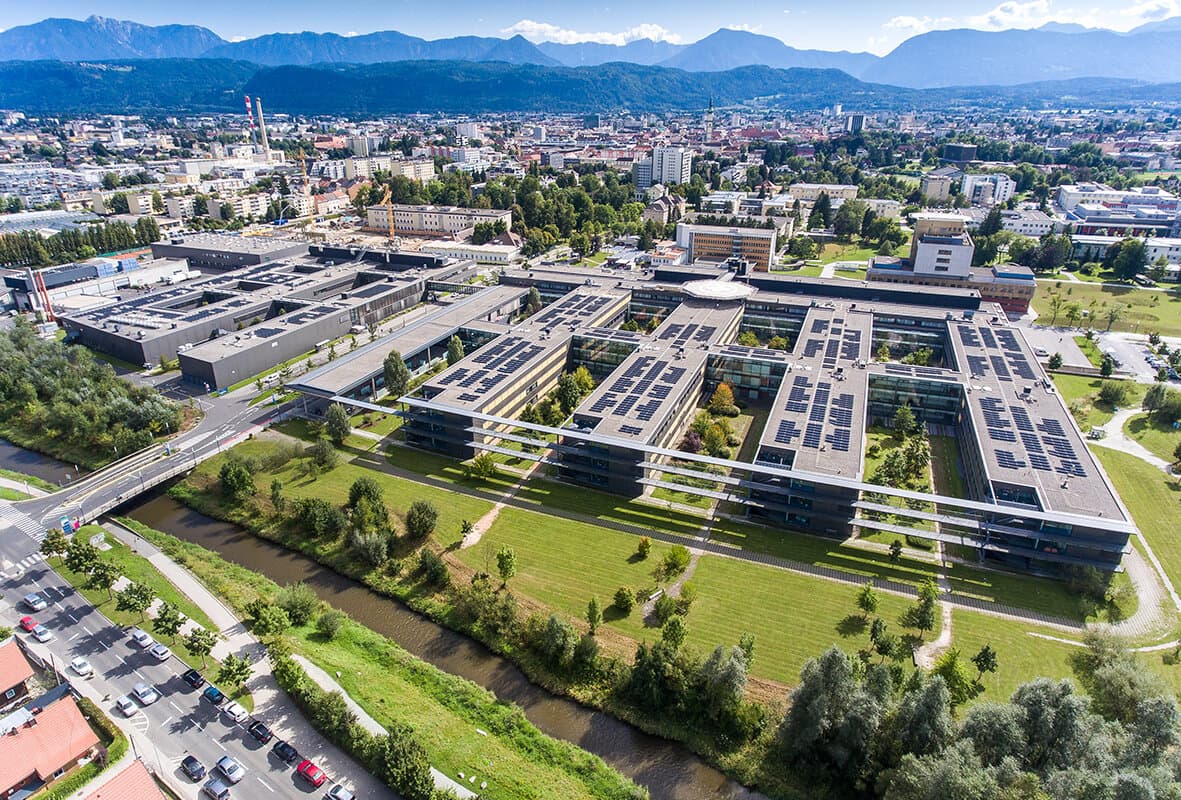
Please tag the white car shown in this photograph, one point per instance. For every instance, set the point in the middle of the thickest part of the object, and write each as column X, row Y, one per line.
column 126, row 706
column 160, row 652
column 235, row 711
column 35, row 601
column 233, row 771
column 141, row 637
column 42, row 634
column 82, row 667
column 145, row 694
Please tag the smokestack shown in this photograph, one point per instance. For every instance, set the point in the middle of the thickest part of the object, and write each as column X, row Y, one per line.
column 262, row 130
column 250, row 116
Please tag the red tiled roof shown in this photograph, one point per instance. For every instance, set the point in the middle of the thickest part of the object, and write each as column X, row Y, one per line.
column 133, row 783
column 60, row 736
column 14, row 667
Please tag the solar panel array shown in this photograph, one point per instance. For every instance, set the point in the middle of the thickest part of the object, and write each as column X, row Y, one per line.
column 1007, row 424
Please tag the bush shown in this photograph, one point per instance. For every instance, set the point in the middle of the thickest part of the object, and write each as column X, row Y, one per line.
column 370, row 546
column 299, row 601
column 625, row 599
column 318, row 517
column 433, row 568
column 323, row 454
column 330, row 623
column 644, row 548
column 676, row 560
column 1113, row 392
column 686, row 597
column 271, row 620
column 421, row 518
column 664, row 609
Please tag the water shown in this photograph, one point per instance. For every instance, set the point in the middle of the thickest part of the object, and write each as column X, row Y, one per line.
column 668, row 769
column 44, row 467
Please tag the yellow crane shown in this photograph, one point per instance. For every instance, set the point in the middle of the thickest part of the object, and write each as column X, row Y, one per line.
column 389, row 212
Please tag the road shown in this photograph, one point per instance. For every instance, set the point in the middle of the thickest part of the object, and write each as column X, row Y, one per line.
column 179, row 723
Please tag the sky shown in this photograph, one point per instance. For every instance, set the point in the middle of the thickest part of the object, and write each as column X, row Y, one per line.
column 872, row 25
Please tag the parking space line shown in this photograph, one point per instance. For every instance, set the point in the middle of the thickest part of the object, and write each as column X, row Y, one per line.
column 179, row 710
column 216, row 742
column 264, row 783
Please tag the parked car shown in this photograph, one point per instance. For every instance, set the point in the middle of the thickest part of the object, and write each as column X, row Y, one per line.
column 311, row 773
column 285, row 752
column 82, row 667
column 27, row 624
column 193, row 678
column 339, row 792
column 160, row 652
column 193, row 768
column 260, row 732
column 233, row 771
column 126, row 706
column 235, row 711
column 35, row 602
column 145, row 694
column 213, row 695
column 216, row 789
column 42, row 634
column 141, row 638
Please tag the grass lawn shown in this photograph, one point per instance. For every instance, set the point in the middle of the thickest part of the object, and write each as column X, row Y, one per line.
column 886, row 440
column 138, row 569
column 446, row 711
column 33, row 481
column 1080, row 394
column 1020, row 657
column 12, row 494
column 381, row 424
column 793, row 617
column 806, row 271
column 1146, row 309
column 1152, row 498
column 1159, row 438
column 1090, row 349
column 845, row 252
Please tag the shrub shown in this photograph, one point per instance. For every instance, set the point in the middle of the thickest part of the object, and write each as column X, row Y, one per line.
column 625, row 599
column 686, row 597
column 330, row 622
column 299, row 601
column 676, row 560
column 271, row 620
column 664, row 609
column 323, row 454
column 421, row 518
column 644, row 548
column 1113, row 392
column 434, row 569
column 370, row 546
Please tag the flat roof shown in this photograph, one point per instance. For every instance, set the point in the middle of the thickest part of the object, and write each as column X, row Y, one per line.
column 636, row 400
column 233, row 243
column 366, row 362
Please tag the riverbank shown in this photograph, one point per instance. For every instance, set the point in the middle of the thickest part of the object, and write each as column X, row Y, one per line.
column 463, row 727
column 746, row 760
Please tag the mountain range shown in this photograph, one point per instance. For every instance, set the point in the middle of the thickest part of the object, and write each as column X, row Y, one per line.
column 960, row 57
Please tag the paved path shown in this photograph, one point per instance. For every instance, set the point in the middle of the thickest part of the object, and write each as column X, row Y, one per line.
column 485, row 523
column 22, row 486
column 1117, row 439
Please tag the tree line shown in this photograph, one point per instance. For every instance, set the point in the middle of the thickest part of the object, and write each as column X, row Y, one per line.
column 30, row 249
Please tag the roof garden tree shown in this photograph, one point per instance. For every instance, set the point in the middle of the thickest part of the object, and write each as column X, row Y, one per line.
column 397, row 374
column 454, row 350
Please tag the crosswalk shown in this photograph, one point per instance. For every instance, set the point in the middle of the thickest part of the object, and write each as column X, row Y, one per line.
column 22, row 522
column 28, row 561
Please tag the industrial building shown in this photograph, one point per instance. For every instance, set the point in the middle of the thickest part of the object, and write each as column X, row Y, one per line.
column 1036, row 498
column 217, row 252
column 231, row 326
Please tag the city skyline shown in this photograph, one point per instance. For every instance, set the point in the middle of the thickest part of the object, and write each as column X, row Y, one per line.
column 855, row 26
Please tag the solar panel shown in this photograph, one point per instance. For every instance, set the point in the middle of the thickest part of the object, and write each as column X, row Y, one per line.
column 787, row 431
column 839, row 439
column 812, row 435
column 631, row 430
column 1039, row 461
column 989, row 339
column 1001, row 435
column 1006, row 459
column 1002, row 371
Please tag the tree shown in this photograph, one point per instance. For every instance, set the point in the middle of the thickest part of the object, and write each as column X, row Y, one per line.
column 985, row 661
column 1130, row 260
column 1114, row 314
column 584, row 380
column 904, row 420
column 921, row 615
column 1056, row 301
column 135, row 598
column 644, row 548
column 336, row 424
column 748, row 339
column 672, row 631
column 454, row 350
column 421, row 518
column 557, row 642
column 722, row 401
column 533, row 301
column 625, row 600
column 237, row 482
column 330, row 622
column 896, row 550
column 568, row 394
column 200, row 642
column 323, row 454
column 954, row 772
column 482, row 466
column 594, row 615
column 234, row 672
column 867, row 600
column 821, row 216
column 168, row 621
column 397, row 374
column 299, row 601
column 506, row 564
column 102, row 577
column 80, row 556
column 992, row 223
column 277, row 499
column 960, row 686
column 849, row 218
column 664, row 608
column 55, row 543
column 1055, row 361
column 270, row 620
column 401, row 762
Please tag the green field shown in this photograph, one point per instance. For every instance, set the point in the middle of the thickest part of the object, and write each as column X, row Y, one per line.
column 1146, row 309
column 845, row 252
column 806, row 271
column 1090, row 349
column 1081, row 396
column 1159, row 438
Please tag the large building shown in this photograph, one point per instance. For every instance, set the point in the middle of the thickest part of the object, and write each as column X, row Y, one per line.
column 750, row 241
column 808, row 193
column 671, row 165
column 434, row 221
column 1071, row 196
column 988, row 190
column 1035, row 498
column 941, row 244
column 230, row 327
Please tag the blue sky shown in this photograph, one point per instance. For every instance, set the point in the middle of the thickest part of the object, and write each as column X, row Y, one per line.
column 822, row 24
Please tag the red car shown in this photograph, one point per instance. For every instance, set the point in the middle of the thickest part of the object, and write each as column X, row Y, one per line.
column 27, row 624
column 311, row 773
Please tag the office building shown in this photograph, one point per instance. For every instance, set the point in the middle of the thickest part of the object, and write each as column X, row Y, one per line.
column 752, row 242
column 941, row 244
column 988, row 190
column 1070, row 196
column 959, row 153
column 671, row 165
column 808, row 193
column 434, row 221
column 936, row 187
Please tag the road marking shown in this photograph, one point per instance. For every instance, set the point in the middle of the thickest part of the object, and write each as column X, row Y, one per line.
column 88, row 633
column 179, row 710
column 72, row 638
column 136, row 671
column 264, row 783
column 165, row 722
column 216, row 742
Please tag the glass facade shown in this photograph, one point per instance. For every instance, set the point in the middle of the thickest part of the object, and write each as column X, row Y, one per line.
column 936, row 402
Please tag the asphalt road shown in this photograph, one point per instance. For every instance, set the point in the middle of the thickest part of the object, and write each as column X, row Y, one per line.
column 179, row 723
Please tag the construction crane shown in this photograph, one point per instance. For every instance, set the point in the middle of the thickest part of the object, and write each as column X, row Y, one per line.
column 389, row 211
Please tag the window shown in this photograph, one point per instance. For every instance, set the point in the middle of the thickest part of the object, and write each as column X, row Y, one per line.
column 11, row 693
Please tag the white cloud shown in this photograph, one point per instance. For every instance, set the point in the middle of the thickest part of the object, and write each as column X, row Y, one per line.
column 745, row 27
column 350, row 34
column 1014, row 14
column 238, row 38
column 1151, row 10
column 917, row 24
column 548, row 32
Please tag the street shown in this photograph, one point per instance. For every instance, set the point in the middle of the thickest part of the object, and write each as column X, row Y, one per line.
column 180, row 723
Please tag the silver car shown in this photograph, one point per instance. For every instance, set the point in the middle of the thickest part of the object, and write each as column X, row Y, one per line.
column 126, row 706
column 145, row 694
column 233, row 771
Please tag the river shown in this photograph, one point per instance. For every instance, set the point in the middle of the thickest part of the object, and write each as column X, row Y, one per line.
column 668, row 769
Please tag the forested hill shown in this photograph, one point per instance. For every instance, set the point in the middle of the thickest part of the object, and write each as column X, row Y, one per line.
column 181, row 85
